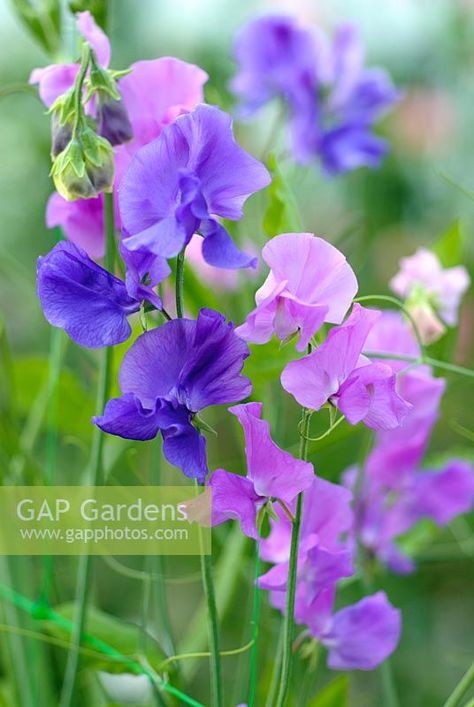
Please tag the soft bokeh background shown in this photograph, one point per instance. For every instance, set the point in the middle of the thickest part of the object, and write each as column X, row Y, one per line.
column 423, row 188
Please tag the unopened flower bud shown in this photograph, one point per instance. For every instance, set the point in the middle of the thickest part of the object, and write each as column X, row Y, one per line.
column 84, row 168
column 113, row 122
column 60, row 135
column 430, row 327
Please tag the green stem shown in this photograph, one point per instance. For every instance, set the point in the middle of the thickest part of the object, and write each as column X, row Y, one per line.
column 78, row 84
column 96, row 478
column 255, row 615
column 289, row 622
column 55, row 357
column 213, row 630
column 461, row 688
column 398, row 303
column 180, row 284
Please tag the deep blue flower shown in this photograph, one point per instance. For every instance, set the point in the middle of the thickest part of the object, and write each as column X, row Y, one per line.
column 88, row 302
column 169, row 375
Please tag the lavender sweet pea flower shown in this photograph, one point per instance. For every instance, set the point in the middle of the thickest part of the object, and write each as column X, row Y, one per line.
column 430, row 291
column 171, row 373
column 361, row 636
column 310, row 282
column 332, row 99
column 336, row 373
column 177, row 184
column 88, row 302
column 272, row 473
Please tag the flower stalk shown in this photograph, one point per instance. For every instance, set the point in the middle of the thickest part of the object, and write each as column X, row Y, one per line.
column 96, row 478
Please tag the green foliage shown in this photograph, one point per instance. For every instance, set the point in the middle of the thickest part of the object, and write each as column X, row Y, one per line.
column 43, row 20
column 282, row 215
column 122, row 637
column 449, row 247
column 75, row 406
column 336, row 694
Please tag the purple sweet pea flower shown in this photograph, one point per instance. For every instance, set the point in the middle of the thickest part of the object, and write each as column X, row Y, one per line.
column 88, row 302
column 177, row 184
column 154, row 93
column 171, row 373
column 337, row 373
column 361, row 636
column 332, row 99
column 310, row 282
column 272, row 473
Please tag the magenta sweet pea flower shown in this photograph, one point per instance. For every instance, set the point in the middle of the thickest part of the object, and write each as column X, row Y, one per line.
column 310, row 282
column 398, row 452
column 272, row 473
column 179, row 183
column 338, row 374
column 361, row 636
column 169, row 375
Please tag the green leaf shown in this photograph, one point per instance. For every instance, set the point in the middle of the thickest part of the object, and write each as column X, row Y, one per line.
column 282, row 215
column 336, row 694
column 120, row 636
column 449, row 246
column 43, row 20
column 75, row 405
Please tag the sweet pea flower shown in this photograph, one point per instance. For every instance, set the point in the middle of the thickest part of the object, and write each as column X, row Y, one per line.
column 56, row 79
column 398, row 452
column 384, row 514
column 169, row 375
column 331, row 98
column 88, row 302
column 154, row 93
column 179, row 183
column 338, row 374
column 324, row 553
column 310, row 282
column 272, row 474
column 430, row 291
column 361, row 636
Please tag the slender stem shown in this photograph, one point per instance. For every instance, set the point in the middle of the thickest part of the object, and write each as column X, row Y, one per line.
column 398, row 303
column 289, row 622
column 213, row 630
column 55, row 357
column 461, row 688
column 156, row 567
column 255, row 615
column 180, row 284
column 96, row 478
column 275, row 679
column 78, row 84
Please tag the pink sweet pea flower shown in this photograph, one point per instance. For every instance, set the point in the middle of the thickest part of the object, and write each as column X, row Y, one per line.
column 310, row 282
column 271, row 473
column 56, row 79
column 430, row 291
column 337, row 373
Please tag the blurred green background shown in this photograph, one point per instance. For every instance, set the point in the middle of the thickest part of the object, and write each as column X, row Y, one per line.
column 424, row 187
